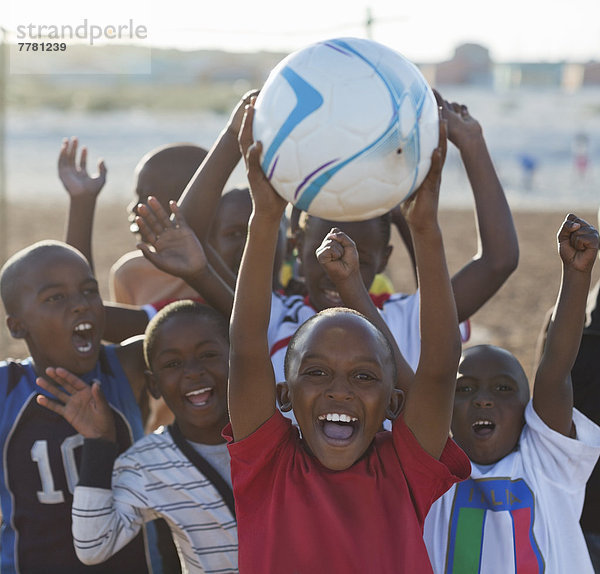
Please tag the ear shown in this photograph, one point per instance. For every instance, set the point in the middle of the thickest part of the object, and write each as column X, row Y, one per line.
column 387, row 252
column 16, row 327
column 284, row 400
column 152, row 384
column 395, row 405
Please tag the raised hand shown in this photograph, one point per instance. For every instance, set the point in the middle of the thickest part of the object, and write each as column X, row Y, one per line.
column 168, row 242
column 420, row 209
column 75, row 177
column 577, row 243
column 338, row 256
column 461, row 126
column 83, row 406
column 237, row 116
column 265, row 199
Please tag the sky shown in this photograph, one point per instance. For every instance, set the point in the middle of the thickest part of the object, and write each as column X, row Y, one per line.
column 424, row 31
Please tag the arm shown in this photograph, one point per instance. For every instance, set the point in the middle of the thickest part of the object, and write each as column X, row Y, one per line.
column 83, row 191
column 552, row 390
column 200, row 198
column 172, row 246
column 252, row 396
column 100, row 526
column 498, row 249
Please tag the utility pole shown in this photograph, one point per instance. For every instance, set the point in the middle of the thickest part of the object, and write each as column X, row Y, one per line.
column 369, row 24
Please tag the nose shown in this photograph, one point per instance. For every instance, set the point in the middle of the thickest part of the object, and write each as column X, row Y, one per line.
column 79, row 302
column 192, row 368
column 483, row 401
column 339, row 389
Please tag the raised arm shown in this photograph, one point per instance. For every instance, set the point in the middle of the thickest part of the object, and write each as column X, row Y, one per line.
column 429, row 401
column 200, row 198
column 252, row 395
column 498, row 248
column 172, row 246
column 83, row 191
column 552, row 390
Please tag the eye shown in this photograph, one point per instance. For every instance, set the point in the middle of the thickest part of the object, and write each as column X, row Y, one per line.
column 91, row 291
column 315, row 372
column 463, row 388
column 54, row 297
column 208, row 355
column 504, row 387
column 365, row 377
column 173, row 364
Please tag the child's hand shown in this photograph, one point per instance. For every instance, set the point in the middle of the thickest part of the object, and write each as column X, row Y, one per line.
column 462, row 127
column 237, row 116
column 75, row 178
column 420, row 209
column 577, row 244
column 265, row 200
column 81, row 405
column 338, row 256
column 176, row 248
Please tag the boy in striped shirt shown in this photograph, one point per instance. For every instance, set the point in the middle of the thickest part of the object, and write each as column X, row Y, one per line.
column 180, row 473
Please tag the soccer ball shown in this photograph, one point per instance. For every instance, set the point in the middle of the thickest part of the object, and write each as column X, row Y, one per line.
column 347, row 127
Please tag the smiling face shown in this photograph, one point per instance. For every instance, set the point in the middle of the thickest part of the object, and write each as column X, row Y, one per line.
column 340, row 384
column 373, row 252
column 491, row 395
column 58, row 310
column 189, row 370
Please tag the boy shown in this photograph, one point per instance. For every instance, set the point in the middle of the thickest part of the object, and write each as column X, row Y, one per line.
column 180, row 474
column 52, row 302
column 520, row 509
column 341, row 499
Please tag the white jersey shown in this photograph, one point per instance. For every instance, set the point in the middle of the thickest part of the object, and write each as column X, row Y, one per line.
column 400, row 312
column 522, row 513
column 155, row 479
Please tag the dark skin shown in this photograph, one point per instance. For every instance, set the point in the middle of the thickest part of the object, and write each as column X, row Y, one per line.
column 189, row 370
column 252, row 394
column 492, row 389
column 61, row 317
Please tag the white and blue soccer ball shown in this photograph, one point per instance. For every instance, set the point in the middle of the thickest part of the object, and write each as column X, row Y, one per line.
column 348, row 127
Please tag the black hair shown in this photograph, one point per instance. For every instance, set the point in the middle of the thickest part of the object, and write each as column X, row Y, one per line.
column 332, row 311
column 176, row 309
column 12, row 270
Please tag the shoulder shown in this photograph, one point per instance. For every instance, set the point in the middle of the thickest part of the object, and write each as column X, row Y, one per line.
column 128, row 262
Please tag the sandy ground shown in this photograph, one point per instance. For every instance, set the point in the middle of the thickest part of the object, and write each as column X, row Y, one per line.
column 512, row 318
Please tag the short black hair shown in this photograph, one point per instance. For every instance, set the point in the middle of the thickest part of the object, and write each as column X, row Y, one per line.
column 12, row 271
column 176, row 309
column 332, row 311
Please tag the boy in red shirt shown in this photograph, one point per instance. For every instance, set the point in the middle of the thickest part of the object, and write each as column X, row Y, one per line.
column 344, row 497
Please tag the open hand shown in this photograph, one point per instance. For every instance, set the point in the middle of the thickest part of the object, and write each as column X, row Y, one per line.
column 577, row 243
column 83, row 406
column 170, row 244
column 75, row 178
column 462, row 127
column 237, row 116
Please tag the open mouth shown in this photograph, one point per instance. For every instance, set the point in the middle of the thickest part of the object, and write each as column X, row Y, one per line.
column 83, row 337
column 333, row 297
column 483, row 427
column 338, row 426
column 199, row 397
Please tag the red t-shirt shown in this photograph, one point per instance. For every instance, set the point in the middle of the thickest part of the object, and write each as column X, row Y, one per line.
column 296, row 516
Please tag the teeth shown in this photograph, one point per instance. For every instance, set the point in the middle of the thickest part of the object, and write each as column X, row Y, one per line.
column 83, row 327
column 338, row 417
column 198, row 392
column 84, row 348
column 483, row 423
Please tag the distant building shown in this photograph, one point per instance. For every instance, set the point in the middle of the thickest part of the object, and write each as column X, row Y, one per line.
column 471, row 64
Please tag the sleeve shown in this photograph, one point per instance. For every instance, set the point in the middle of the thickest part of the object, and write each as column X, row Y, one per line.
column 427, row 477
column 105, row 519
column 558, row 459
